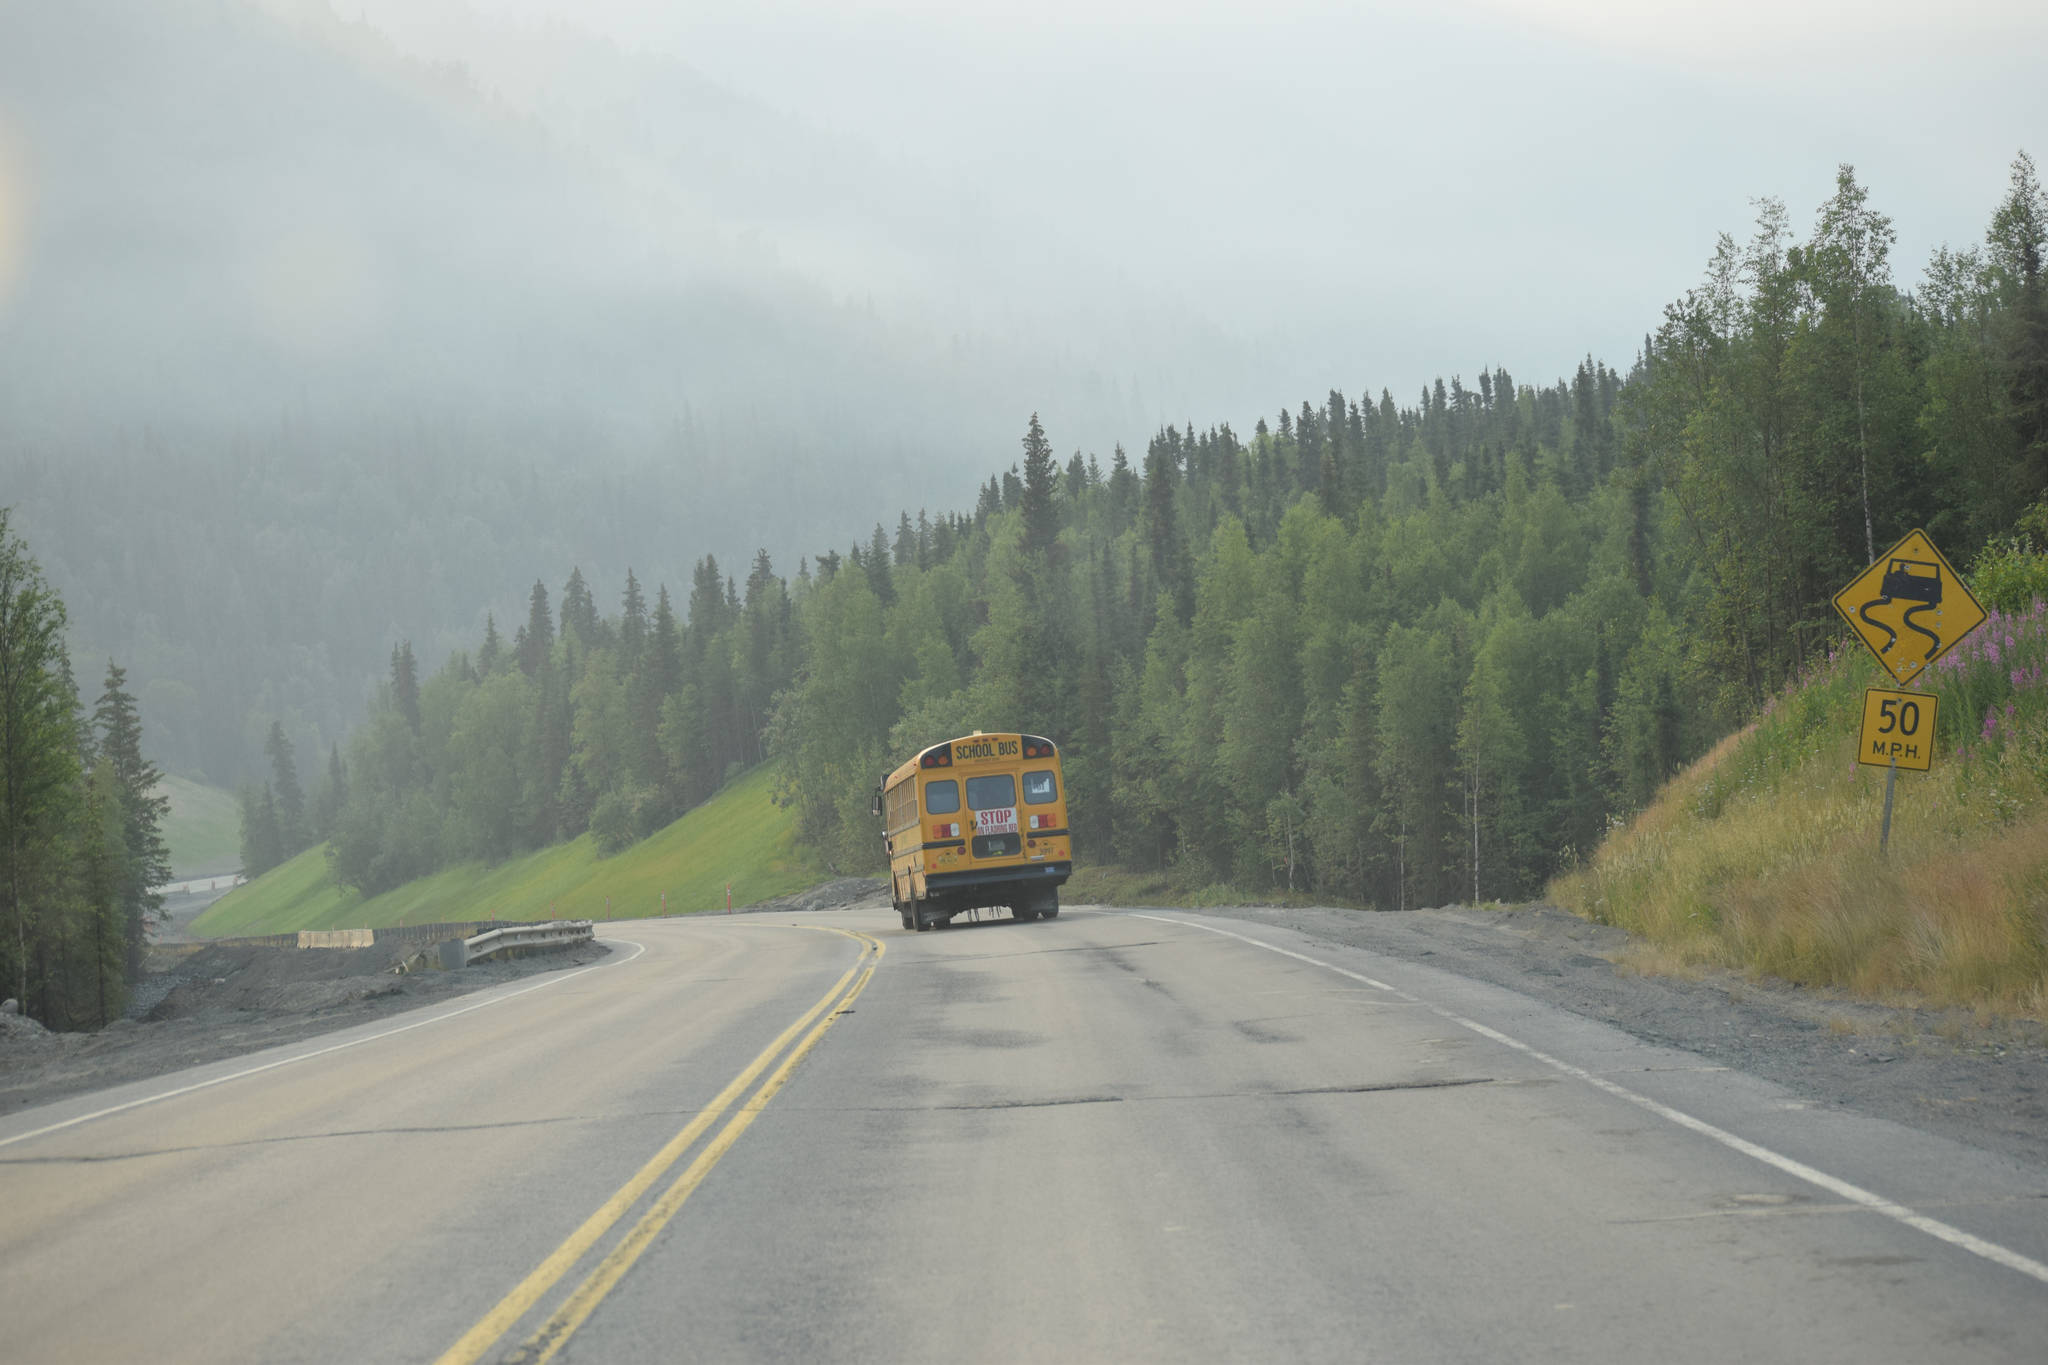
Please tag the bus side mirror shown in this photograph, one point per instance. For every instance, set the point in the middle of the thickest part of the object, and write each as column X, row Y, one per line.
column 875, row 806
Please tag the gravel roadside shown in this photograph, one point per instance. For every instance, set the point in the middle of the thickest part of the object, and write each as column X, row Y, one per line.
column 200, row 1002
column 204, row 1004
column 1977, row 1079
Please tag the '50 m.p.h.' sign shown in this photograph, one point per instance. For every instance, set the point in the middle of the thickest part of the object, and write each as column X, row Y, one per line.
column 1898, row 727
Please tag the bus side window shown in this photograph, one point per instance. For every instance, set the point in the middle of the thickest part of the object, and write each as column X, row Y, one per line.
column 941, row 798
column 1039, row 787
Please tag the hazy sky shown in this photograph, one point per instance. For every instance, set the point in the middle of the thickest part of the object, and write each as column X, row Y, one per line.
column 1358, row 194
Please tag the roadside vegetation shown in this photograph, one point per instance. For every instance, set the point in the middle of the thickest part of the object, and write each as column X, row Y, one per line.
column 1764, row 856
column 740, row 837
column 81, row 816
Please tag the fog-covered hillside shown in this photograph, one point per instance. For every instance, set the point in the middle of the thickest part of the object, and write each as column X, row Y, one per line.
column 307, row 346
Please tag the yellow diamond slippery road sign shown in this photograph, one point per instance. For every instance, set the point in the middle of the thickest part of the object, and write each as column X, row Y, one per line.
column 1910, row 606
column 1898, row 727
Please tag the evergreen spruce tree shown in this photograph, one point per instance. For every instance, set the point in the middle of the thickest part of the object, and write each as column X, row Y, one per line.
column 876, row 561
column 1041, row 475
column 39, row 752
column 707, row 600
column 579, row 608
column 660, row 677
column 1123, row 491
column 104, row 876
column 1074, row 483
column 284, row 784
column 537, row 637
column 1162, row 533
column 632, row 624
column 491, row 655
column 405, row 688
column 141, row 809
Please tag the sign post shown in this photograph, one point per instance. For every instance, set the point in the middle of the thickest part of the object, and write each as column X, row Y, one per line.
column 1884, row 828
column 1898, row 732
column 1909, row 608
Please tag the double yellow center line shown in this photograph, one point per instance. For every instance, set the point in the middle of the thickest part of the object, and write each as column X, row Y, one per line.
column 552, row 1334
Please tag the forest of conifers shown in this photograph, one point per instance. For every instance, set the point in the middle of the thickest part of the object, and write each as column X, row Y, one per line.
column 81, row 845
column 1395, row 654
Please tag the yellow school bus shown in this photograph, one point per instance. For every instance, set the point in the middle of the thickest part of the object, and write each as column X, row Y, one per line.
column 976, row 821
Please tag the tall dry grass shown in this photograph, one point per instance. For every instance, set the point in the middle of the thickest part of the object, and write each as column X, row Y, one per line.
column 1763, row 856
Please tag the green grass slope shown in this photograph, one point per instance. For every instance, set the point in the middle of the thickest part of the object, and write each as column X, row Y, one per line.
column 203, row 828
column 1764, row 855
column 739, row 837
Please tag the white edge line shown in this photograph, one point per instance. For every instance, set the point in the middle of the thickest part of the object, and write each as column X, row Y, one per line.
column 1876, row 1203
column 320, row 1052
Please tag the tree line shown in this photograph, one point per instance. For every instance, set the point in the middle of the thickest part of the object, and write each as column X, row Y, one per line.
column 81, row 844
column 1410, row 654
column 613, row 724
column 1397, row 654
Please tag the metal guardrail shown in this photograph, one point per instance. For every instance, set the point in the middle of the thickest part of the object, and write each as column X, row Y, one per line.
column 390, row 933
column 461, row 952
column 438, row 933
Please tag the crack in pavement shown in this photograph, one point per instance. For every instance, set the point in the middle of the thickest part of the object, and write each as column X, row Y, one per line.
column 1036, row 952
column 1060, row 1101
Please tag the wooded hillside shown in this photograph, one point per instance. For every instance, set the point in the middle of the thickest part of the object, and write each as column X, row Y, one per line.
column 1402, row 654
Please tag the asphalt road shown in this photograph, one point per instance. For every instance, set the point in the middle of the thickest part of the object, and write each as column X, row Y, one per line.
column 1114, row 1136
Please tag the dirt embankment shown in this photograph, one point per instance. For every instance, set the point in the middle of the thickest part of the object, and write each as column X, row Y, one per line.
column 199, row 1004
column 841, row 893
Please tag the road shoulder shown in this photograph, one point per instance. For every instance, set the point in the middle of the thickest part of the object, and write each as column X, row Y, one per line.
column 1983, row 1082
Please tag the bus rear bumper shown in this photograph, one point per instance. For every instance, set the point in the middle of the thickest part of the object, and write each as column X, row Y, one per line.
column 988, row 879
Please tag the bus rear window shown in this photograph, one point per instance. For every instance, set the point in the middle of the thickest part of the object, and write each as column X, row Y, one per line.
column 994, row 792
column 941, row 798
column 1039, row 788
